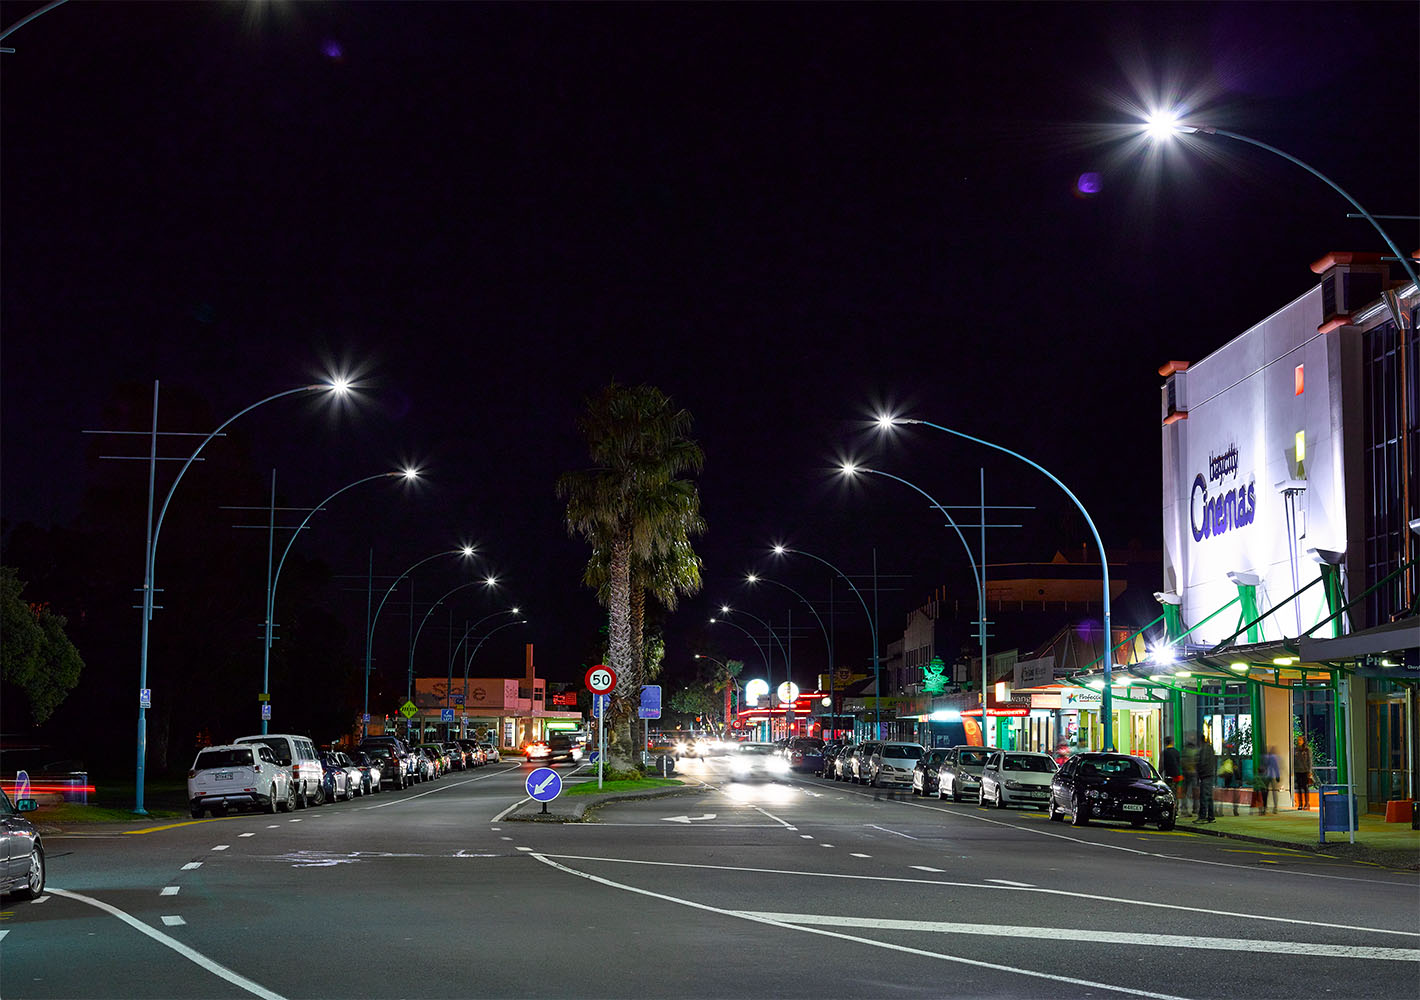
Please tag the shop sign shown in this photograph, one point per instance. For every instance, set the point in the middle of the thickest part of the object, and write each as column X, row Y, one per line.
column 1045, row 701
column 1078, row 698
column 1034, row 673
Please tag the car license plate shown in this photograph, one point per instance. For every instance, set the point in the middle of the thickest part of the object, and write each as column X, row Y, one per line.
column 224, row 775
column 1133, row 807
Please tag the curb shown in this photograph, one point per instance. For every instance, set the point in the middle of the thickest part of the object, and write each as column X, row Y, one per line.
column 575, row 809
column 1360, row 851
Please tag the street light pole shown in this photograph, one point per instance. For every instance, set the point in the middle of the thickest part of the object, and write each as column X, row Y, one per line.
column 754, row 578
column 150, row 557
column 768, row 673
column 779, row 550
column 886, row 421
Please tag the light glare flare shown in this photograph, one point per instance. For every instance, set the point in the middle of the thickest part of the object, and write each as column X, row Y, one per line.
column 751, row 578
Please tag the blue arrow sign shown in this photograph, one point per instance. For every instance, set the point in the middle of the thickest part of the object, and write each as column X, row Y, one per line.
column 446, row 715
column 650, row 707
column 544, row 784
column 600, row 703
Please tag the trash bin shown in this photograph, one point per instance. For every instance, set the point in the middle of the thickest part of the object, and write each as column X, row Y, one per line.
column 1333, row 802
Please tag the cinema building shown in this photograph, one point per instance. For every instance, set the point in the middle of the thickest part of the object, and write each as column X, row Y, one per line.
column 1291, row 502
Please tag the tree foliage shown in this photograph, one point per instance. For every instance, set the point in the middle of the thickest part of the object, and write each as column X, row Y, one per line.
column 36, row 656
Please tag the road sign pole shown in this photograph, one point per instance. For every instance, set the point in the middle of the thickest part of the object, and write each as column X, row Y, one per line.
column 601, row 743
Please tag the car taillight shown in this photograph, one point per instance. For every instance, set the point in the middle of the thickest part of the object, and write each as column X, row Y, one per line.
column 295, row 771
column 192, row 774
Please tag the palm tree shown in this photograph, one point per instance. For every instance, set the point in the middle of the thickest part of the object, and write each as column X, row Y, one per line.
column 638, row 516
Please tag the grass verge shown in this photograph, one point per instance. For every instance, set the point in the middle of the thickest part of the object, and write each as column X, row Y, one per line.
column 590, row 787
column 66, row 813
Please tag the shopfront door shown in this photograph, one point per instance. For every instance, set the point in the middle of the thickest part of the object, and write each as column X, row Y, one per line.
column 1387, row 767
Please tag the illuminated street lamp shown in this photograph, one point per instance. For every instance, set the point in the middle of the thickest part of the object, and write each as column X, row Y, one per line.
column 754, row 578
column 780, row 550
column 788, row 658
column 468, row 659
column 1165, row 124
column 272, row 579
column 489, row 581
column 466, row 551
column 886, row 421
column 339, row 386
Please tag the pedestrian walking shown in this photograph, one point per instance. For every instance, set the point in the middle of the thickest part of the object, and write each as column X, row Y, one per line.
column 1272, row 775
column 1189, row 763
column 1302, row 772
column 1230, row 770
column 1207, row 769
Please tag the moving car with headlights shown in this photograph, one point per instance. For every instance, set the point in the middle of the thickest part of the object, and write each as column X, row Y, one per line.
column 1102, row 785
column 959, row 774
column 241, row 776
column 757, row 762
column 1016, row 778
column 805, row 753
column 924, row 774
column 21, row 851
column 892, row 763
column 555, row 748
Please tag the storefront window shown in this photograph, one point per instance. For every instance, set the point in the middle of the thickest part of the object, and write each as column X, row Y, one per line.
column 1313, row 721
column 1226, row 721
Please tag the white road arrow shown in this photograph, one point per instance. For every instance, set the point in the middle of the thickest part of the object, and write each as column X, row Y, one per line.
column 539, row 789
column 687, row 819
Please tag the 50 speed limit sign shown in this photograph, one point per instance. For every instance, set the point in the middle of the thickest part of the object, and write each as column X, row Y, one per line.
column 601, row 679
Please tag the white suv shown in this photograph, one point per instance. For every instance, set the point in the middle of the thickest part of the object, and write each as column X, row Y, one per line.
column 893, row 763
column 241, row 776
column 298, row 755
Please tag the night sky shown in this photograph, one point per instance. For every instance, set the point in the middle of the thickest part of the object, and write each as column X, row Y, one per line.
column 785, row 217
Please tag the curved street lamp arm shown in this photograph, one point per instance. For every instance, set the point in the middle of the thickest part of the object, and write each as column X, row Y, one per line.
column 276, row 577
column 1404, row 260
column 975, row 572
column 162, row 512
column 813, row 610
column 872, row 625
column 773, row 634
column 375, row 620
column 482, row 639
column 469, row 629
column 28, row 18
column 725, row 621
column 455, row 590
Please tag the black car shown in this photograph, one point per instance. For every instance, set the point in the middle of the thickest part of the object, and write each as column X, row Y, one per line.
column 805, row 753
column 924, row 774
column 1105, row 785
column 401, row 752
column 831, row 750
column 555, row 749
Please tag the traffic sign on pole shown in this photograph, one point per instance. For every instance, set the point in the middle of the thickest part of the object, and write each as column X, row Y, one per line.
column 409, row 710
column 601, row 679
column 543, row 785
column 650, row 707
column 446, row 715
column 600, row 703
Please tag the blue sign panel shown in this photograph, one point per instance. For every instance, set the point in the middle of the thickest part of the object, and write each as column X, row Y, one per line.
column 650, row 707
column 544, row 784
column 594, row 756
column 458, row 699
column 446, row 715
column 600, row 703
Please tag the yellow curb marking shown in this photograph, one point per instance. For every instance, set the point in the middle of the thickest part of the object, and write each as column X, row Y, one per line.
column 174, row 826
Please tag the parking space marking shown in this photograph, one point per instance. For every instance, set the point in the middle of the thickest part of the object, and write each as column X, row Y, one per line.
column 169, row 890
column 191, row 954
column 169, row 921
column 927, row 868
column 191, row 865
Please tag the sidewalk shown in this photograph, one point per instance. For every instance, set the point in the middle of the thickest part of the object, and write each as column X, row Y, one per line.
column 1392, row 844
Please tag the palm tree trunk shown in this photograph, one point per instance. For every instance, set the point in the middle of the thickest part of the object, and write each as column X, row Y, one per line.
column 627, row 688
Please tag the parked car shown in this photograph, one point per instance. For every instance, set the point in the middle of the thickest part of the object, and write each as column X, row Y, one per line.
column 757, row 762
column 490, row 753
column 338, row 783
column 959, row 775
column 831, row 750
column 843, row 762
column 390, row 766
column 355, row 771
column 239, row 776
column 22, row 849
column 401, row 752
column 1016, row 778
column 458, row 756
column 372, row 774
column 892, row 763
column 806, row 754
column 473, row 752
column 863, row 760
column 1102, row 785
column 298, row 754
column 924, row 774
column 428, row 764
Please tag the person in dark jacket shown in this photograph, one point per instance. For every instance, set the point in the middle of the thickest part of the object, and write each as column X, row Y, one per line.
column 1172, row 766
column 1207, row 774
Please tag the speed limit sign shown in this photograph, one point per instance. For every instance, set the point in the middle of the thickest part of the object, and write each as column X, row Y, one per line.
column 601, row 679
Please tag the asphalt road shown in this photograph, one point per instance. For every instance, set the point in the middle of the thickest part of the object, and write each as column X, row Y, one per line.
column 793, row 888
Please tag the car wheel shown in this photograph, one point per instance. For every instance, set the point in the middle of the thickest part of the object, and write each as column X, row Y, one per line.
column 1079, row 814
column 272, row 804
column 320, row 795
column 1000, row 800
column 288, row 804
column 956, row 792
column 1167, row 822
column 196, row 812
column 1055, row 815
column 301, row 802
column 34, row 880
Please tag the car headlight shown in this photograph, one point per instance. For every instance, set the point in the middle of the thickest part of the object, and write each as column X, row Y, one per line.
column 1014, row 785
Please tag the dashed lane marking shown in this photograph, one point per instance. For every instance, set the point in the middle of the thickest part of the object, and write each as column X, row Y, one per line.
column 221, row 847
column 191, row 865
column 170, row 921
column 246, row 835
column 273, row 826
column 825, row 845
column 169, row 890
column 1006, row 881
column 293, row 821
column 928, row 868
column 861, row 855
column 525, row 848
column 806, row 836
column 884, row 829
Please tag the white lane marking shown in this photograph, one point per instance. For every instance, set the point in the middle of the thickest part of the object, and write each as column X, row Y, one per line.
column 1122, row 900
column 1103, row 937
column 806, row 836
column 888, row 946
column 192, row 955
column 221, row 847
column 246, row 835
column 273, row 826
column 499, row 818
column 893, row 832
column 42, row 899
column 765, row 812
column 525, row 848
column 1006, row 881
column 191, row 865
column 505, row 838
column 293, row 821
column 495, row 829
column 173, row 921
column 457, row 784
column 825, row 845
column 928, row 868
column 855, row 855
column 1135, row 850
column 2, row 935
column 169, row 890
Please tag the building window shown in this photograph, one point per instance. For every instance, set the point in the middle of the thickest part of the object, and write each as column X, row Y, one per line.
column 1299, row 379
column 1392, row 465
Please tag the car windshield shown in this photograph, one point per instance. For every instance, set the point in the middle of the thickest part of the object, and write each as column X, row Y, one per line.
column 902, row 751
column 763, row 748
column 278, row 750
column 972, row 758
column 1028, row 762
column 1120, row 767
column 208, row 759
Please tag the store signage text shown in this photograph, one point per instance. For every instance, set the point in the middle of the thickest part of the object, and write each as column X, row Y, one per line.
column 1223, row 511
